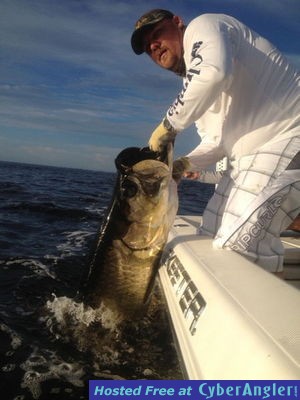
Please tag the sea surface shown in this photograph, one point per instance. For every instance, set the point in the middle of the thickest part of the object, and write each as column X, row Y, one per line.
column 49, row 343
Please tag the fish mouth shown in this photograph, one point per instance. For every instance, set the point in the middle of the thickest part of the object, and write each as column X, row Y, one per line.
column 133, row 155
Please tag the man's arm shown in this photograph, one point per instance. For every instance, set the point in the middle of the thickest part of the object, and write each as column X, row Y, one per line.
column 209, row 60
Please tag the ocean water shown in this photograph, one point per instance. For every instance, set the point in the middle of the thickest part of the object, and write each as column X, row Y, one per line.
column 50, row 345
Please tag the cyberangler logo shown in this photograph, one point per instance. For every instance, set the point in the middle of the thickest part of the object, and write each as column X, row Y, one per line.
column 245, row 240
column 245, row 390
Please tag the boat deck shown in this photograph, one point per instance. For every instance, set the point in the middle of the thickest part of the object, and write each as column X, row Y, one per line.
column 231, row 318
column 291, row 243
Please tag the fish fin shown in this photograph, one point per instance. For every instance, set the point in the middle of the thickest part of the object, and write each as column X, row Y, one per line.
column 151, row 282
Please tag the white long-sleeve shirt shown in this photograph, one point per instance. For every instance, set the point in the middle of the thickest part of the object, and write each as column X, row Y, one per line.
column 239, row 90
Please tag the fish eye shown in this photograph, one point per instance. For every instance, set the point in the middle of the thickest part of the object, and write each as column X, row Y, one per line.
column 129, row 188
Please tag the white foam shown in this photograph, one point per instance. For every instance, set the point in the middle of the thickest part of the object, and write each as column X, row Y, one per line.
column 8, row 367
column 16, row 340
column 53, row 367
column 74, row 241
column 92, row 330
column 34, row 265
column 63, row 307
column 95, row 211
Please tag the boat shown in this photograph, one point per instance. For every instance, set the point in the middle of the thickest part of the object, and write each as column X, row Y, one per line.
column 231, row 319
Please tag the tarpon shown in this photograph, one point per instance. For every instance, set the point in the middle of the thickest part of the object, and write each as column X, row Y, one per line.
column 134, row 232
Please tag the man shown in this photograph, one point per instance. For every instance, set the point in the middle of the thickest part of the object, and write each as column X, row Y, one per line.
column 243, row 96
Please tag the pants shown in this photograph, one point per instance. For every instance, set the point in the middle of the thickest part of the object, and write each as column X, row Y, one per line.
column 248, row 212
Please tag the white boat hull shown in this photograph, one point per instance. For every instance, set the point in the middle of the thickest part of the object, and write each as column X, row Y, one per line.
column 231, row 319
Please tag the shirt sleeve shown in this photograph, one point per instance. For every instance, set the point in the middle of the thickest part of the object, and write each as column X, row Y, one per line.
column 209, row 63
column 212, row 177
column 204, row 155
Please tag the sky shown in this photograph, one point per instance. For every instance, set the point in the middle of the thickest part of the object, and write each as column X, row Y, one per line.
column 73, row 93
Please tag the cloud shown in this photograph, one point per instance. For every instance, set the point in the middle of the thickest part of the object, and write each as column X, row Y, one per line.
column 83, row 156
column 72, row 85
column 74, row 56
column 99, row 158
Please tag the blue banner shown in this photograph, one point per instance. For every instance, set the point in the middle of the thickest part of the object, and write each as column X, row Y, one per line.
column 192, row 390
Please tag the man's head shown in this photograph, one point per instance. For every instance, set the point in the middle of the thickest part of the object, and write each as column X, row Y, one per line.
column 159, row 33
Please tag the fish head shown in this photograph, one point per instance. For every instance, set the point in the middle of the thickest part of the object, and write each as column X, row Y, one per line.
column 143, row 189
column 144, row 195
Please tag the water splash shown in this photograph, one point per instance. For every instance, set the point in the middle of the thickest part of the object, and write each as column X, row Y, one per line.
column 140, row 349
column 43, row 365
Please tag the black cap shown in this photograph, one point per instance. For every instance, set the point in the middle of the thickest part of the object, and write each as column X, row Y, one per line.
column 143, row 24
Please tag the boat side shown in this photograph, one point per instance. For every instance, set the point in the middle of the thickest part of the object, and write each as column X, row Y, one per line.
column 231, row 319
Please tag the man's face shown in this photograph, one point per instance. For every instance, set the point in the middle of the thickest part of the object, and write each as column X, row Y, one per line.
column 164, row 43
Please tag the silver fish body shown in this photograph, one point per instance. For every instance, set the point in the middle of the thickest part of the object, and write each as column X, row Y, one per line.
column 131, row 239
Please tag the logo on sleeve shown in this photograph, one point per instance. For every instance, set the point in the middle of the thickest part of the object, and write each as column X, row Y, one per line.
column 195, row 70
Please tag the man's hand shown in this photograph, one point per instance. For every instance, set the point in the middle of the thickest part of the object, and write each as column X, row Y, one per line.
column 161, row 136
column 180, row 167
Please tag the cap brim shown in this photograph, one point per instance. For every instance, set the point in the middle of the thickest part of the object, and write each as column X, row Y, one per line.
column 137, row 38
